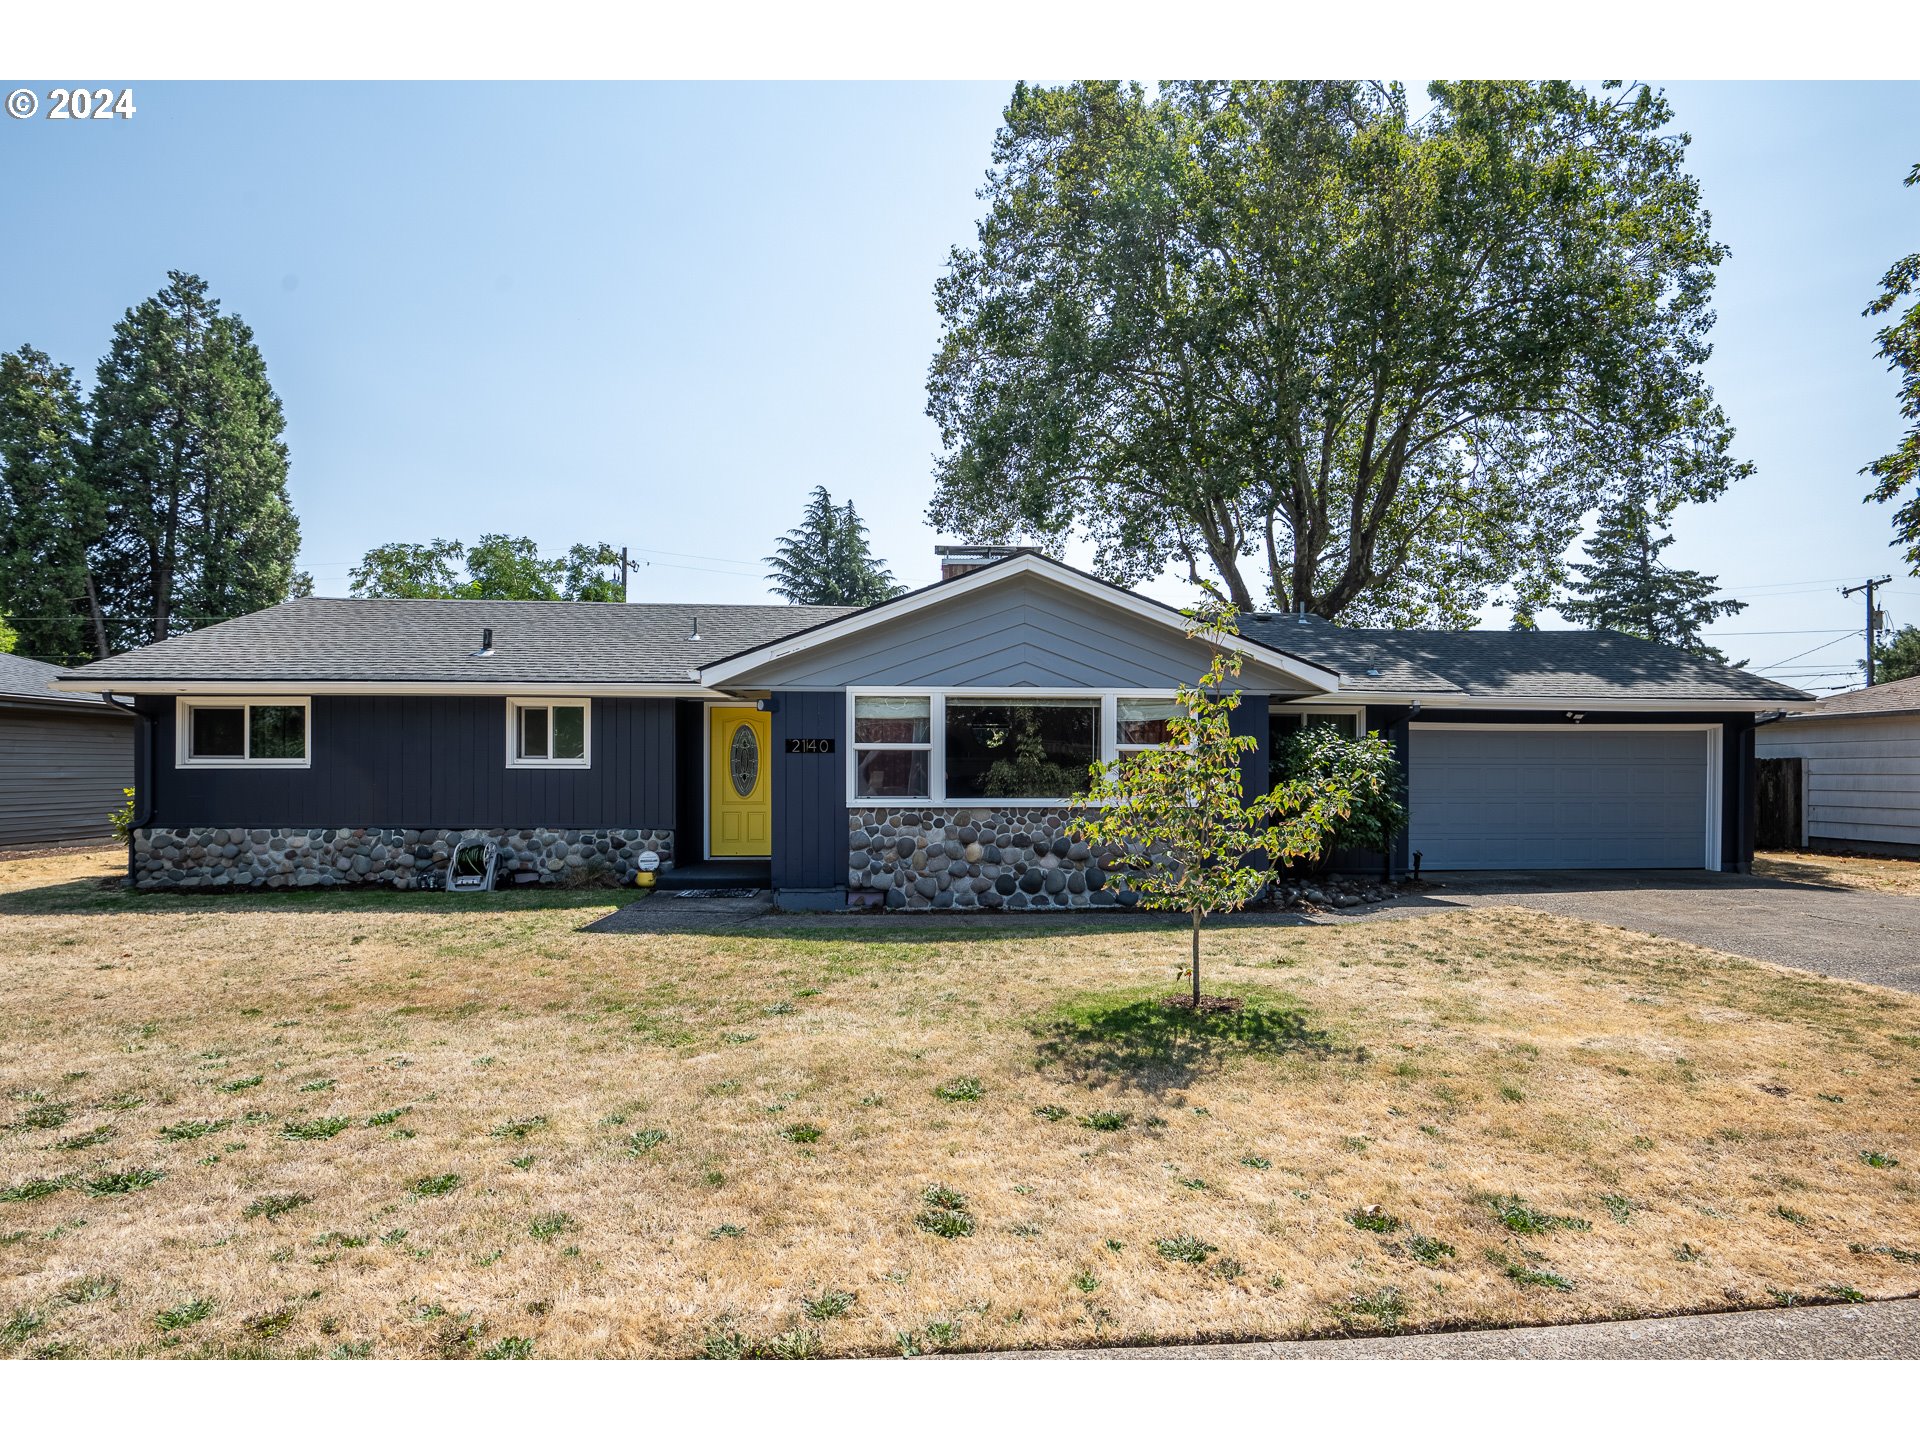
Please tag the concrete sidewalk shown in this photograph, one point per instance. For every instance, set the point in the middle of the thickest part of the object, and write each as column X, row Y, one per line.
column 1881, row 1330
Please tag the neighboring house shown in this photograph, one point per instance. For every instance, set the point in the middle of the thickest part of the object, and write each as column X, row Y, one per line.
column 1847, row 771
column 918, row 752
column 64, row 759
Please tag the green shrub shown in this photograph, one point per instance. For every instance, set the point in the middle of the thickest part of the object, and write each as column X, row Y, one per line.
column 1364, row 770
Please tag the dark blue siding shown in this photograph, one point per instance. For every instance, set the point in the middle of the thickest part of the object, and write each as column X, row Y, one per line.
column 429, row 762
column 810, row 792
column 1251, row 719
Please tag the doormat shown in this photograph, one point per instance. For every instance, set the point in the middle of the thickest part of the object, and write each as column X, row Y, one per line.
column 746, row 894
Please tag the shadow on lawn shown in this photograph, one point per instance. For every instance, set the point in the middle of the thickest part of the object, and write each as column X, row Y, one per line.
column 1149, row 1046
column 110, row 896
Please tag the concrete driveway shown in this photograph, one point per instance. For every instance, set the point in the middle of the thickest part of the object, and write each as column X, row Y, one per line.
column 1853, row 934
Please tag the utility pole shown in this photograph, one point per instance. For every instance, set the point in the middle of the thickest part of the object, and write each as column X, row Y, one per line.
column 623, row 581
column 1873, row 615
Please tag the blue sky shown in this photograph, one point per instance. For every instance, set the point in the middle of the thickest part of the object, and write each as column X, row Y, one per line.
column 659, row 314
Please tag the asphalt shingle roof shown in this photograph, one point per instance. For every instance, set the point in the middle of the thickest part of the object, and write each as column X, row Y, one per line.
column 24, row 679
column 1501, row 665
column 432, row 641
column 1896, row 697
column 554, row 643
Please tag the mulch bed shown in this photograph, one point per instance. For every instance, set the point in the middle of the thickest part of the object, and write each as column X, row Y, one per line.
column 1209, row 1004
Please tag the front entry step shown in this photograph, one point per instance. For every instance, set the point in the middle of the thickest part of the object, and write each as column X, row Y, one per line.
column 722, row 874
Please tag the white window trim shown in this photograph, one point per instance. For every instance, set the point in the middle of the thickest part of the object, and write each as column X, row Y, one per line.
column 937, row 738
column 1357, row 712
column 185, row 759
column 515, row 703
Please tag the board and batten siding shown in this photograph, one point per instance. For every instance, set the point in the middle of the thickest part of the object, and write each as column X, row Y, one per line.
column 809, row 792
column 1862, row 774
column 1022, row 634
column 61, row 774
column 416, row 762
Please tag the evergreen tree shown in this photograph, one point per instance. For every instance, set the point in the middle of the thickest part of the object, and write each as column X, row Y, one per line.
column 48, row 511
column 825, row 560
column 189, row 465
column 1899, row 342
column 1623, row 585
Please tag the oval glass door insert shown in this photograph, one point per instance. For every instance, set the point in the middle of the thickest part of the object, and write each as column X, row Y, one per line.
column 743, row 761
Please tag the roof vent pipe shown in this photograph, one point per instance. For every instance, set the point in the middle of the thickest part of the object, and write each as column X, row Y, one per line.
column 486, row 644
column 696, row 627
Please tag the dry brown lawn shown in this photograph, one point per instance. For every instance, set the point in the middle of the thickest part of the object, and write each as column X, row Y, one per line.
column 485, row 1131
column 1855, row 872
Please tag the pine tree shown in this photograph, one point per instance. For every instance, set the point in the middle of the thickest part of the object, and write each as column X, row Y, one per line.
column 1623, row 585
column 48, row 511
column 825, row 560
column 188, row 461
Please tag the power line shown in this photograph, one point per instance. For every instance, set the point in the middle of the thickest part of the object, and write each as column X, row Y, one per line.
column 1823, row 645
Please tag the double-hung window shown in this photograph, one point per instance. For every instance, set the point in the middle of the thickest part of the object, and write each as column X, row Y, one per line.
column 548, row 733
column 1142, row 724
column 265, row 730
column 892, row 746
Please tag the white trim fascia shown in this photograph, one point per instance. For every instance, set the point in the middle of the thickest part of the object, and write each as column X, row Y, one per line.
column 1578, row 705
column 547, row 703
column 251, row 689
column 184, row 759
column 1711, row 731
column 720, row 672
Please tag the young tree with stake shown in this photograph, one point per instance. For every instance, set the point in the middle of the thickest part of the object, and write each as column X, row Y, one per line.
column 1179, row 815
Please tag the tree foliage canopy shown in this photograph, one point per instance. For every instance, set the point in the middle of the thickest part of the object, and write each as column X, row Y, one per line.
column 187, row 459
column 1179, row 813
column 1898, row 656
column 498, row 567
column 48, row 509
column 1899, row 341
column 1320, row 352
column 1623, row 585
column 825, row 559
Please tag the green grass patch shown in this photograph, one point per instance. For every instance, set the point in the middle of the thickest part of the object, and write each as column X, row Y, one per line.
column 86, row 1140
column 1131, row 1035
column 1522, row 1219
column 430, row 1185
column 323, row 1128
column 189, row 1312
column 519, row 1129
column 1184, row 1249
column 946, row 1213
column 1107, row 1120
column 193, row 1129
column 121, row 1182
column 961, row 1089
column 272, row 1207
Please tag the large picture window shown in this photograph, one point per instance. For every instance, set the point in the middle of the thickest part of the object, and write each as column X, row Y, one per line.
column 957, row 748
column 267, row 730
column 1020, row 748
column 548, row 733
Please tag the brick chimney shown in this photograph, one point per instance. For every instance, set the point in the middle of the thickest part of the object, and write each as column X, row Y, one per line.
column 958, row 560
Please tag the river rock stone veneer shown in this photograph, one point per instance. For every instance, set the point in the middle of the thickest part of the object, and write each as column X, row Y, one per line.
column 979, row 859
column 240, row 858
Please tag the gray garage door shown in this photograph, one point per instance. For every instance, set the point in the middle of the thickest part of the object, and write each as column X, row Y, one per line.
column 1522, row 798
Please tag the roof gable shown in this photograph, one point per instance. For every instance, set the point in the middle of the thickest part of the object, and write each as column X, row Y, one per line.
column 1028, row 622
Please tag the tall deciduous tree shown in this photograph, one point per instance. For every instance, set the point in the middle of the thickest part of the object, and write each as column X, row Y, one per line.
column 825, row 560
column 1899, row 341
column 1623, row 585
column 49, row 512
column 1179, row 817
column 188, row 460
column 1319, row 352
column 497, row 567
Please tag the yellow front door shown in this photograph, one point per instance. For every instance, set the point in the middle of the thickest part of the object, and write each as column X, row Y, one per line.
column 740, row 792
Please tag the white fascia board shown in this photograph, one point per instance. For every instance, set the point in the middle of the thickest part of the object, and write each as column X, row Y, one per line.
column 381, row 687
column 1471, row 702
column 720, row 673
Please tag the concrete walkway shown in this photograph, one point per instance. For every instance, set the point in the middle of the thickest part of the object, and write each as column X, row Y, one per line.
column 1883, row 1330
column 1853, row 934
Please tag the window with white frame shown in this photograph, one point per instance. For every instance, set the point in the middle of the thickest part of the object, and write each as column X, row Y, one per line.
column 892, row 746
column 265, row 730
column 1287, row 722
column 549, row 733
column 1017, row 748
column 1142, row 723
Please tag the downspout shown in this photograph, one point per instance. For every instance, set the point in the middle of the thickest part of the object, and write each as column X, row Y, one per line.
column 144, row 731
